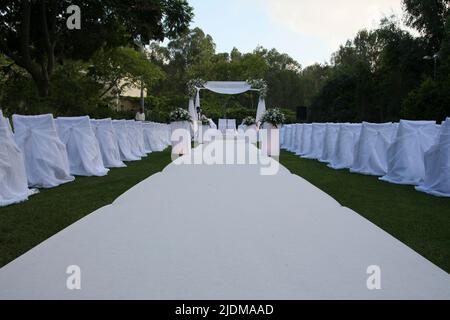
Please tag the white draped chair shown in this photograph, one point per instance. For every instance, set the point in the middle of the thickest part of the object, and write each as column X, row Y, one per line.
column 292, row 134
column 305, row 143
column 85, row 158
column 317, row 141
column 437, row 165
column 108, row 144
column 288, row 137
column 330, row 141
column 406, row 155
column 46, row 161
column 13, row 177
column 139, row 127
column 223, row 125
column 298, row 139
column 135, row 139
column 348, row 137
column 371, row 150
column 155, row 137
column 123, row 140
column 282, row 134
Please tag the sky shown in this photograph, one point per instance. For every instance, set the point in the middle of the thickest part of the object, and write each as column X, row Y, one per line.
column 308, row 30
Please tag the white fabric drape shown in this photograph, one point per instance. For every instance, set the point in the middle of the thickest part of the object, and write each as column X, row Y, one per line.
column 46, row 161
column 134, row 138
column 123, row 140
column 227, row 87
column 406, row 155
column 261, row 109
column 13, row 177
column 298, row 139
column 192, row 109
column 317, row 141
column 84, row 153
column 348, row 138
column 437, row 165
column 108, row 144
column 293, row 144
column 305, row 145
column 371, row 150
column 330, row 141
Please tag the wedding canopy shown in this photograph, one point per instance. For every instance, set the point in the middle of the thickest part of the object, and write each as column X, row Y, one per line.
column 85, row 158
column 107, row 140
column 228, row 88
column 13, row 178
column 406, row 155
column 437, row 165
column 45, row 155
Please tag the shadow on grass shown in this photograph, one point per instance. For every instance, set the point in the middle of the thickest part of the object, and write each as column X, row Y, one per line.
column 25, row 225
column 419, row 220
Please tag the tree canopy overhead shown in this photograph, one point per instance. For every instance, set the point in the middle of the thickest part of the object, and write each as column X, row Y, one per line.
column 35, row 36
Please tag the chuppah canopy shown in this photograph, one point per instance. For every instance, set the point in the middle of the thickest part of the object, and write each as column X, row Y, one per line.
column 226, row 87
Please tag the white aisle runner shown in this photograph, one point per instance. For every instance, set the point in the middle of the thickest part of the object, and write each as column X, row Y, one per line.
column 223, row 232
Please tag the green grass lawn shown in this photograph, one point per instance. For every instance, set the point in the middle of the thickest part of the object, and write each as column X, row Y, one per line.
column 419, row 220
column 25, row 225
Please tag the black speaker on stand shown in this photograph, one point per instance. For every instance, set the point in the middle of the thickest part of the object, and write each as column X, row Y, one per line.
column 302, row 114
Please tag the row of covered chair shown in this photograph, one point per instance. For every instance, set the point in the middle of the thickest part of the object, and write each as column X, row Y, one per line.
column 409, row 152
column 44, row 152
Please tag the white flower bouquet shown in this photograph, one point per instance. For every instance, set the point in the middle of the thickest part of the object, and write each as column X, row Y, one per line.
column 274, row 117
column 180, row 114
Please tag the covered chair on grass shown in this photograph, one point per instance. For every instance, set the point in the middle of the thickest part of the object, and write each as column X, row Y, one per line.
column 437, row 165
column 305, row 143
column 107, row 141
column 348, row 137
column 139, row 127
column 371, row 150
column 13, row 177
column 293, row 143
column 317, row 141
column 123, row 141
column 298, row 138
column 330, row 140
column 406, row 155
column 154, row 137
column 85, row 158
column 46, row 161
column 288, row 137
column 135, row 138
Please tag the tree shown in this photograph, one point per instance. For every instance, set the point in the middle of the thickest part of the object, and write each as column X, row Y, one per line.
column 428, row 17
column 35, row 36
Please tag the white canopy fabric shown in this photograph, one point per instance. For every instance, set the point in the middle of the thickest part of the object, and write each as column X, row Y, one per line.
column 13, row 177
column 437, row 165
column 108, row 144
column 347, row 140
column 305, row 144
column 46, row 161
column 123, row 140
column 317, row 141
column 133, row 137
column 330, row 141
column 371, row 150
column 85, row 158
column 229, row 88
column 406, row 155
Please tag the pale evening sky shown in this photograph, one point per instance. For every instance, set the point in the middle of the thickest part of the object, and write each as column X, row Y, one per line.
column 308, row 30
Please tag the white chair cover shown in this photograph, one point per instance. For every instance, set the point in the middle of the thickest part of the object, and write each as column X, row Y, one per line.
column 288, row 137
column 46, row 161
column 108, row 144
column 347, row 140
column 135, row 139
column 13, row 177
column 293, row 145
column 406, row 155
column 140, row 138
column 371, row 150
column 85, row 158
column 305, row 144
column 123, row 140
column 317, row 141
column 223, row 125
column 330, row 141
column 437, row 165
column 155, row 136
column 282, row 134
column 298, row 139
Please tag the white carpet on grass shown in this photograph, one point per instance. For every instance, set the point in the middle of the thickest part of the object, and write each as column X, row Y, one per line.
column 223, row 232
